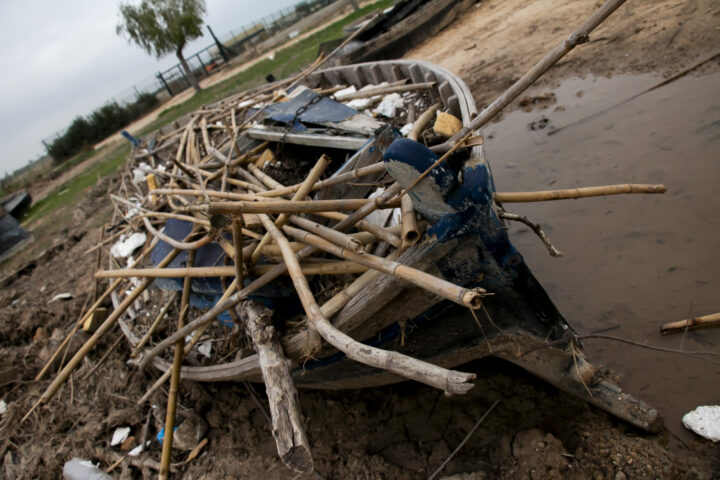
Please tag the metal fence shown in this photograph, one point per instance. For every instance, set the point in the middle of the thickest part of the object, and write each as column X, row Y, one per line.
column 204, row 62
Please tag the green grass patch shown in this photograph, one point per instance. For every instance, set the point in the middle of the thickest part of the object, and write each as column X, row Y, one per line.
column 69, row 192
column 287, row 61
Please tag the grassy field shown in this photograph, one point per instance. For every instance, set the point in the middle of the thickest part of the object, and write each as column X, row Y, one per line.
column 70, row 192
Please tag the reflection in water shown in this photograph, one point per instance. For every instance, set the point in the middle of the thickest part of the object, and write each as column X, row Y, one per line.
column 633, row 262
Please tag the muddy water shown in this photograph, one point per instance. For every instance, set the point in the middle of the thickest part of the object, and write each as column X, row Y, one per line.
column 631, row 263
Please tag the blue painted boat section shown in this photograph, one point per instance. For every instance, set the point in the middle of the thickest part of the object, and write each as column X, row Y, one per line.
column 325, row 110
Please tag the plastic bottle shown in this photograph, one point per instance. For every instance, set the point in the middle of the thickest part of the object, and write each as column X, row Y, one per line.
column 79, row 469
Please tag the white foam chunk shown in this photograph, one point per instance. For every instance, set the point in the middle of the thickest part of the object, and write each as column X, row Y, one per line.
column 119, row 435
column 705, row 421
column 125, row 247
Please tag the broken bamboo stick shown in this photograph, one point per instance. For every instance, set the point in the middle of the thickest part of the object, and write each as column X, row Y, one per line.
column 410, row 230
column 288, row 207
column 374, row 169
column 175, row 376
column 154, row 325
column 338, row 238
column 705, row 321
column 462, row 296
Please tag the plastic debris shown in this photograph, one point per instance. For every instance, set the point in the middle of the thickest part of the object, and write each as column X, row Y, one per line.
column 205, row 349
column 126, row 246
column 3, row 407
column 136, row 451
column 119, row 436
column 61, row 296
column 389, row 105
column 79, row 469
column 406, row 129
column 345, row 91
column 705, row 421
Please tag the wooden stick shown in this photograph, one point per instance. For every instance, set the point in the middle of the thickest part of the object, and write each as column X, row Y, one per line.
column 705, row 321
column 450, row 381
column 422, row 121
column 410, row 230
column 93, row 340
column 179, row 245
column 338, row 238
column 285, row 206
column 210, row 193
column 371, row 92
column 374, row 169
column 288, row 431
column 156, row 323
column 175, row 376
column 302, row 192
column 438, row 286
column 104, row 357
column 583, row 192
column 535, row 227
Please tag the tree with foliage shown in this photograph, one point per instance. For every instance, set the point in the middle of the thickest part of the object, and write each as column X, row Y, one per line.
column 163, row 26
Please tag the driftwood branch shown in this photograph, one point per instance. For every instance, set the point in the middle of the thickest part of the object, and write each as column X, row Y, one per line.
column 288, row 431
column 535, row 227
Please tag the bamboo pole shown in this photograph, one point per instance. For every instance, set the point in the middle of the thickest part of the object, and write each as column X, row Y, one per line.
column 312, row 177
column 229, row 302
column 422, row 121
column 582, row 192
column 93, row 340
column 450, row 381
column 325, row 268
column 287, row 429
column 462, row 296
column 371, row 92
column 338, row 238
column 410, row 230
column 154, row 325
column 385, row 234
column 210, row 193
column 264, row 177
column 705, row 321
column 176, row 244
column 301, row 206
column 175, row 376
column 237, row 243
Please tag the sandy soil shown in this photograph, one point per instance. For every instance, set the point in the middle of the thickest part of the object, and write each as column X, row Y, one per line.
column 403, row 431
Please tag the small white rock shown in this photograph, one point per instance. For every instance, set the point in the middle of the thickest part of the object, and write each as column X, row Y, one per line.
column 705, row 421
column 119, row 436
column 3, row 407
column 61, row 296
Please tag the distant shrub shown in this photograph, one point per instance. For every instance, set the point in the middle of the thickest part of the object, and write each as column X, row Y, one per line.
column 84, row 132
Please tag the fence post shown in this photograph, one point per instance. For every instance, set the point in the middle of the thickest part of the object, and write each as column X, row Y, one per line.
column 167, row 87
column 222, row 48
column 207, row 74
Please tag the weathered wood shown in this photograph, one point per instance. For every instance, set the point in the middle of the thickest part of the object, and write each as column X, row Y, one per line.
column 300, row 206
column 342, row 142
column 287, row 428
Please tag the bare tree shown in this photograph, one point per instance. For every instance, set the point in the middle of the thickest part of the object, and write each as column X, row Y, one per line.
column 161, row 27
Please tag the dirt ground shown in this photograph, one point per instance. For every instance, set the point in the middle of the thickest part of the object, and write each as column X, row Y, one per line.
column 403, row 431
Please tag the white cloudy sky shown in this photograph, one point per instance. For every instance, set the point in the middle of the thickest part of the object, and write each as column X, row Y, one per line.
column 60, row 59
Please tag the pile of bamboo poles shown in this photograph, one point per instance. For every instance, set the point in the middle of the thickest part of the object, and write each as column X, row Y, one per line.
column 199, row 174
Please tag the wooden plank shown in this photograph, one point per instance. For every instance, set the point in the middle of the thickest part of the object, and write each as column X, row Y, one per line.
column 310, row 139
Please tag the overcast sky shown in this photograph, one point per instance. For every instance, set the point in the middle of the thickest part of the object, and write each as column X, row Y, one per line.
column 60, row 59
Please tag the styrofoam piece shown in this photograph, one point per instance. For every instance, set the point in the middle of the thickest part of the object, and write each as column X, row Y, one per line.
column 705, row 421
column 119, row 435
column 126, row 246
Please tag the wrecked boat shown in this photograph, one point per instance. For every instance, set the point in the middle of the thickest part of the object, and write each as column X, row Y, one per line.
column 461, row 240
